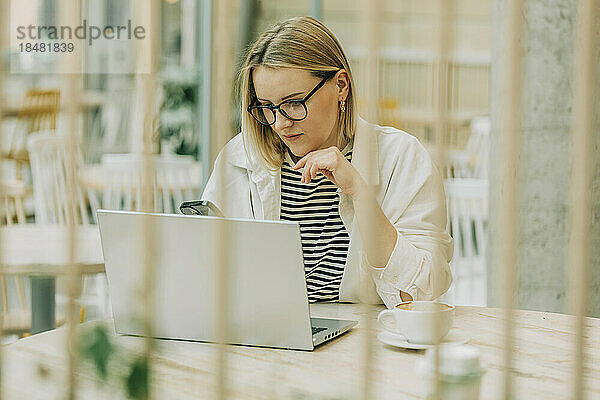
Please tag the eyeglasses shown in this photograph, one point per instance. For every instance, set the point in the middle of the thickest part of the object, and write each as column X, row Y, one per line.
column 291, row 109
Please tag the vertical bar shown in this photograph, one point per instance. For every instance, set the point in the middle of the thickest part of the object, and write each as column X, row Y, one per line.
column 221, row 123
column 441, row 93
column 441, row 121
column 4, row 44
column 371, row 12
column 205, row 104
column 148, row 85
column 222, row 47
column 507, row 211
column 70, row 13
column 581, row 180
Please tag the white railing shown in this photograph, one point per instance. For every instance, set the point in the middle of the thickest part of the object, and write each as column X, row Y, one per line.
column 439, row 85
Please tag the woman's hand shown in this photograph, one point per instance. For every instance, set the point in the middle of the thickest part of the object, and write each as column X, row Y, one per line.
column 378, row 234
column 331, row 163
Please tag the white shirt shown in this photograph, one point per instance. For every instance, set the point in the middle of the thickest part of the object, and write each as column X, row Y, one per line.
column 409, row 189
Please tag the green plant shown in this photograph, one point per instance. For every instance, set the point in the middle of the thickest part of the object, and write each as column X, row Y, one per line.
column 180, row 99
column 113, row 363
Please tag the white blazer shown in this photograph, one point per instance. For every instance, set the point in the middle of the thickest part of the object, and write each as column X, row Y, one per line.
column 409, row 189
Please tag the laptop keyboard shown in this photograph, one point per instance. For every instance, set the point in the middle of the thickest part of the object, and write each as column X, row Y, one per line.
column 317, row 329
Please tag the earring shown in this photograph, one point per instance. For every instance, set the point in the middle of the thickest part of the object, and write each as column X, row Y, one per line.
column 343, row 105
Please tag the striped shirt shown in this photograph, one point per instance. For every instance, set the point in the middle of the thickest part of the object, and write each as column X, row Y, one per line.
column 325, row 241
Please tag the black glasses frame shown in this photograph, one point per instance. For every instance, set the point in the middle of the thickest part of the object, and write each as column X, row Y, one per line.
column 273, row 108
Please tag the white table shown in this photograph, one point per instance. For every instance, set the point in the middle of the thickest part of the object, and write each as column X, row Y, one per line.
column 42, row 251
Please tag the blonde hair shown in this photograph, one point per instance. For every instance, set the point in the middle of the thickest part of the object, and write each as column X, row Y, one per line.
column 304, row 43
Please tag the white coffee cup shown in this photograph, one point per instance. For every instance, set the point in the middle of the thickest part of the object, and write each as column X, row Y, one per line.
column 422, row 322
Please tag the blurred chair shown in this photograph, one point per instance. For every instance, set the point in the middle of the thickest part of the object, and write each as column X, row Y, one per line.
column 49, row 172
column 13, row 209
column 467, row 201
column 472, row 162
column 38, row 112
column 14, row 321
column 456, row 164
column 118, row 184
column 53, row 205
column 478, row 147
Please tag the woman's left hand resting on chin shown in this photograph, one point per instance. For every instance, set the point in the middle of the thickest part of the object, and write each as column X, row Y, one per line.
column 380, row 242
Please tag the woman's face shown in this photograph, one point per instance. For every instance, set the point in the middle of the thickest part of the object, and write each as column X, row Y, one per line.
column 318, row 129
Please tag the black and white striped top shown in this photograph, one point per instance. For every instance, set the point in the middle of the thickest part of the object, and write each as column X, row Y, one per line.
column 325, row 241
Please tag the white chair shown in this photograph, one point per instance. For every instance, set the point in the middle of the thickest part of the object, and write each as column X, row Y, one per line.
column 50, row 174
column 39, row 111
column 13, row 201
column 173, row 180
column 473, row 160
column 53, row 205
column 14, row 321
column 467, row 223
column 456, row 164
column 478, row 148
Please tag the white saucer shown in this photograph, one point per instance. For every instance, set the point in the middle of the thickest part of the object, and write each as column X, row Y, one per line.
column 391, row 339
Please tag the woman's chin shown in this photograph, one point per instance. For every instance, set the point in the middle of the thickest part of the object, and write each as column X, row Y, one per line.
column 298, row 151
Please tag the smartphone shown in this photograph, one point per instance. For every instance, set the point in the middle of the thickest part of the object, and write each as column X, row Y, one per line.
column 200, row 207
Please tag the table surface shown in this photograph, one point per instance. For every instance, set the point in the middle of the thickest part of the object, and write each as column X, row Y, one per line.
column 44, row 249
column 35, row 367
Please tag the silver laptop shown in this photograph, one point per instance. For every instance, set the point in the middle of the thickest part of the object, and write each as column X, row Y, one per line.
column 268, row 302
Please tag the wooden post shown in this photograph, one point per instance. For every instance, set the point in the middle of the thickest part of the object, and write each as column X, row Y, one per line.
column 370, row 14
column 222, row 46
column 146, row 76
column 70, row 14
column 442, row 81
column 582, row 167
column 441, row 121
column 507, row 210
column 4, row 44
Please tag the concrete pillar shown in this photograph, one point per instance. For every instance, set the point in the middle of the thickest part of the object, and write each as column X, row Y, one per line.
column 547, row 98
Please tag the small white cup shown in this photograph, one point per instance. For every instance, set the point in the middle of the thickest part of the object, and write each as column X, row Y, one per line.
column 422, row 322
column 458, row 376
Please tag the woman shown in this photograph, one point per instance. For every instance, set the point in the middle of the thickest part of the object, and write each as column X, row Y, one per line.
column 303, row 155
